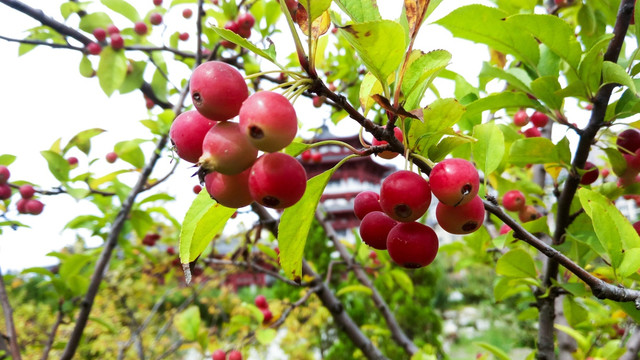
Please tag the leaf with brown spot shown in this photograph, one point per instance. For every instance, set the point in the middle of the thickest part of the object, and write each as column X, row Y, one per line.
column 415, row 11
column 319, row 26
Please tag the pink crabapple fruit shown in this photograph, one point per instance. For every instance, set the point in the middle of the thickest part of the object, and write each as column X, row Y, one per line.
column 140, row 28
column 461, row 219
column 21, row 206
column 231, row 191
column 388, row 154
column 100, row 34
column 218, row 90
column 532, row 132
column 246, row 20
column 155, row 19
column 111, row 157
column 261, row 302
column 5, row 191
column 219, row 355
column 269, row 121
column 94, row 48
column 504, row 229
column 112, row 29
column 157, row 2
column 235, row 355
column 4, row 174
column 33, row 207
column 521, row 118
column 375, row 228
column 454, row 181
column 187, row 13
column 412, row 245
column 117, row 42
column 539, row 119
column 366, row 202
column 27, row 191
column 187, row 133
column 513, row 200
column 184, row 36
column 268, row 316
column 233, row 26
column 226, row 150
column 405, row 196
column 316, row 157
column 73, row 161
column 277, row 180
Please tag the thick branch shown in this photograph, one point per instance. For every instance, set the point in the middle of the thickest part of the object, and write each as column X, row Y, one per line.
column 397, row 333
column 14, row 348
column 633, row 346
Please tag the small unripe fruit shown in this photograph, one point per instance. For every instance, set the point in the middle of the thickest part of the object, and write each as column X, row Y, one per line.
column 539, row 119
column 235, row 355
column 591, row 174
column 261, row 302
column 219, row 355
column 532, row 132
column 268, row 316
column 218, row 90
column 100, row 34
column 184, row 36
column 504, row 229
column 226, row 150
column 111, row 157
column 629, row 140
column 316, row 157
column 366, row 202
column 269, row 121
column 140, row 28
column 72, row 161
column 513, row 200
column 4, row 174
column 405, row 196
column 246, row 20
column 94, row 48
column 33, row 207
column 155, row 19
column 186, row 13
column 231, row 191
column 375, row 228
column 112, row 29
column 117, row 42
column 388, row 154
column 5, row 191
column 27, row 191
column 412, row 245
column 306, row 155
column 521, row 118
column 187, row 133
column 454, row 181
column 277, row 180
column 197, row 189
column 461, row 219
column 528, row 213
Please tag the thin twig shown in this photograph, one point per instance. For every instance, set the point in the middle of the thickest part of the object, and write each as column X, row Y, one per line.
column 14, row 348
column 255, row 267
column 54, row 330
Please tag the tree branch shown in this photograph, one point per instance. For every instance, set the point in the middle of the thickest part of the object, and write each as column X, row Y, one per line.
column 633, row 346
column 39, row 42
column 14, row 348
column 54, row 330
column 255, row 267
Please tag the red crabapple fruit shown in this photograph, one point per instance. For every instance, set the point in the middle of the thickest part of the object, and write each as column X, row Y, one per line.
column 306, row 155
column 21, row 206
column 277, row 180
column 157, row 2
column 33, row 207
column 539, row 119
column 187, row 134
column 155, row 19
column 454, row 181
column 4, row 174
column 316, row 157
column 5, row 191
column 375, row 228
column 94, row 48
column 513, row 200
column 231, row 191
column 412, row 245
column 186, row 13
column 521, row 118
column 184, row 36
column 532, row 132
column 226, row 150
column 112, row 29
column 73, row 161
column 591, row 174
column 246, row 20
column 140, row 28
column 629, row 140
column 100, row 34
column 197, row 189
column 504, row 229
column 27, row 191
column 218, row 90
column 366, row 202
column 388, row 154
column 261, row 302
column 405, row 196
column 235, row 355
column 528, row 213
column 111, row 157
column 636, row 227
column 461, row 219
column 117, row 42
column 268, row 316
column 219, row 355
column 269, row 121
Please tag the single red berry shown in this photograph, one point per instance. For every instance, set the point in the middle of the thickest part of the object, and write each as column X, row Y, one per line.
column 591, row 174
column 111, row 157
column 140, row 28
column 176, row 262
column 157, row 2
column 334, row 30
column 633, row 160
column 261, row 302
column 539, row 119
column 100, row 34
column 226, row 150
column 366, row 202
column 532, row 132
column 112, row 29
column 513, row 200
column 246, row 20
column 316, row 157
column 33, row 207
column 504, row 229
column 521, row 118
column 589, row 107
column 277, row 180
column 150, row 103
column 5, row 191
column 171, row 250
column 454, row 181
column 461, row 219
column 150, row 239
column 94, row 48
column 405, row 196
column 229, row 190
column 629, row 140
column 218, row 90
column 186, row 13
column 269, row 121
column 388, row 154
column 197, row 189
column 184, row 36
column 233, row 26
column 528, row 213
column 117, row 42
column 4, row 174
column 227, row 44
column 27, row 191
column 375, row 228
column 318, row 101
column 412, row 245
column 268, row 315
column 306, row 155
column 215, row 2
column 373, row 255
column 219, row 355
column 636, row 226
column 604, row 173
column 187, row 133
column 155, row 19
column 72, row 160
column 235, row 355
column 244, row 32
column 21, row 206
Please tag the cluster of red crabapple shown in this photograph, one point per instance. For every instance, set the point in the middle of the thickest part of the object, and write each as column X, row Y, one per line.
column 27, row 204
column 389, row 219
column 227, row 151
column 538, row 120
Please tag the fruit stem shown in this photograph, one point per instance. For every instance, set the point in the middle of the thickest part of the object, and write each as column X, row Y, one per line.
column 362, row 142
column 427, row 161
column 293, row 74
column 336, row 142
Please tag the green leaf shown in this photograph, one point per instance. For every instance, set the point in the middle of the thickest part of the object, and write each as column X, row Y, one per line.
column 188, row 323
column 582, row 341
column 403, row 280
column 159, row 85
column 380, row 45
column 123, row 8
column 489, row 149
column 630, row 262
column 130, row 152
column 360, row 10
column 73, row 265
column 86, row 68
column 573, row 311
column 95, row 20
column 266, row 336
column 354, row 288
column 537, row 150
column 546, row 88
column 446, row 145
column 315, row 7
column 613, row 73
column 497, row 352
column 617, row 161
column 423, row 68
column 82, row 140
column 237, row 39
column 503, row 100
column 112, row 69
column 58, row 165
column 552, row 31
column 517, row 263
column 516, row 77
column 295, row 224
column 438, row 118
column 590, row 69
column 133, row 80
column 487, row 25
column 369, row 86
column 7, row 159
column 296, row 148
column 204, row 219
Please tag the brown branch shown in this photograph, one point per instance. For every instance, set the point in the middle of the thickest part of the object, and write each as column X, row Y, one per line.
column 8, row 320
column 397, row 333
column 633, row 346
column 276, row 324
column 39, row 42
column 254, row 267
column 54, row 330
column 149, row 49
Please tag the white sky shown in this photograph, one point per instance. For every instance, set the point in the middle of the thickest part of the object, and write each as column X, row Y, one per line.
column 44, row 98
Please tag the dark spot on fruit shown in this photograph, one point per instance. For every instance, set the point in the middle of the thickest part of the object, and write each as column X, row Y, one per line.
column 412, row 265
column 255, row 132
column 197, row 98
column 469, row 226
column 402, row 210
column 270, row 201
column 466, row 189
